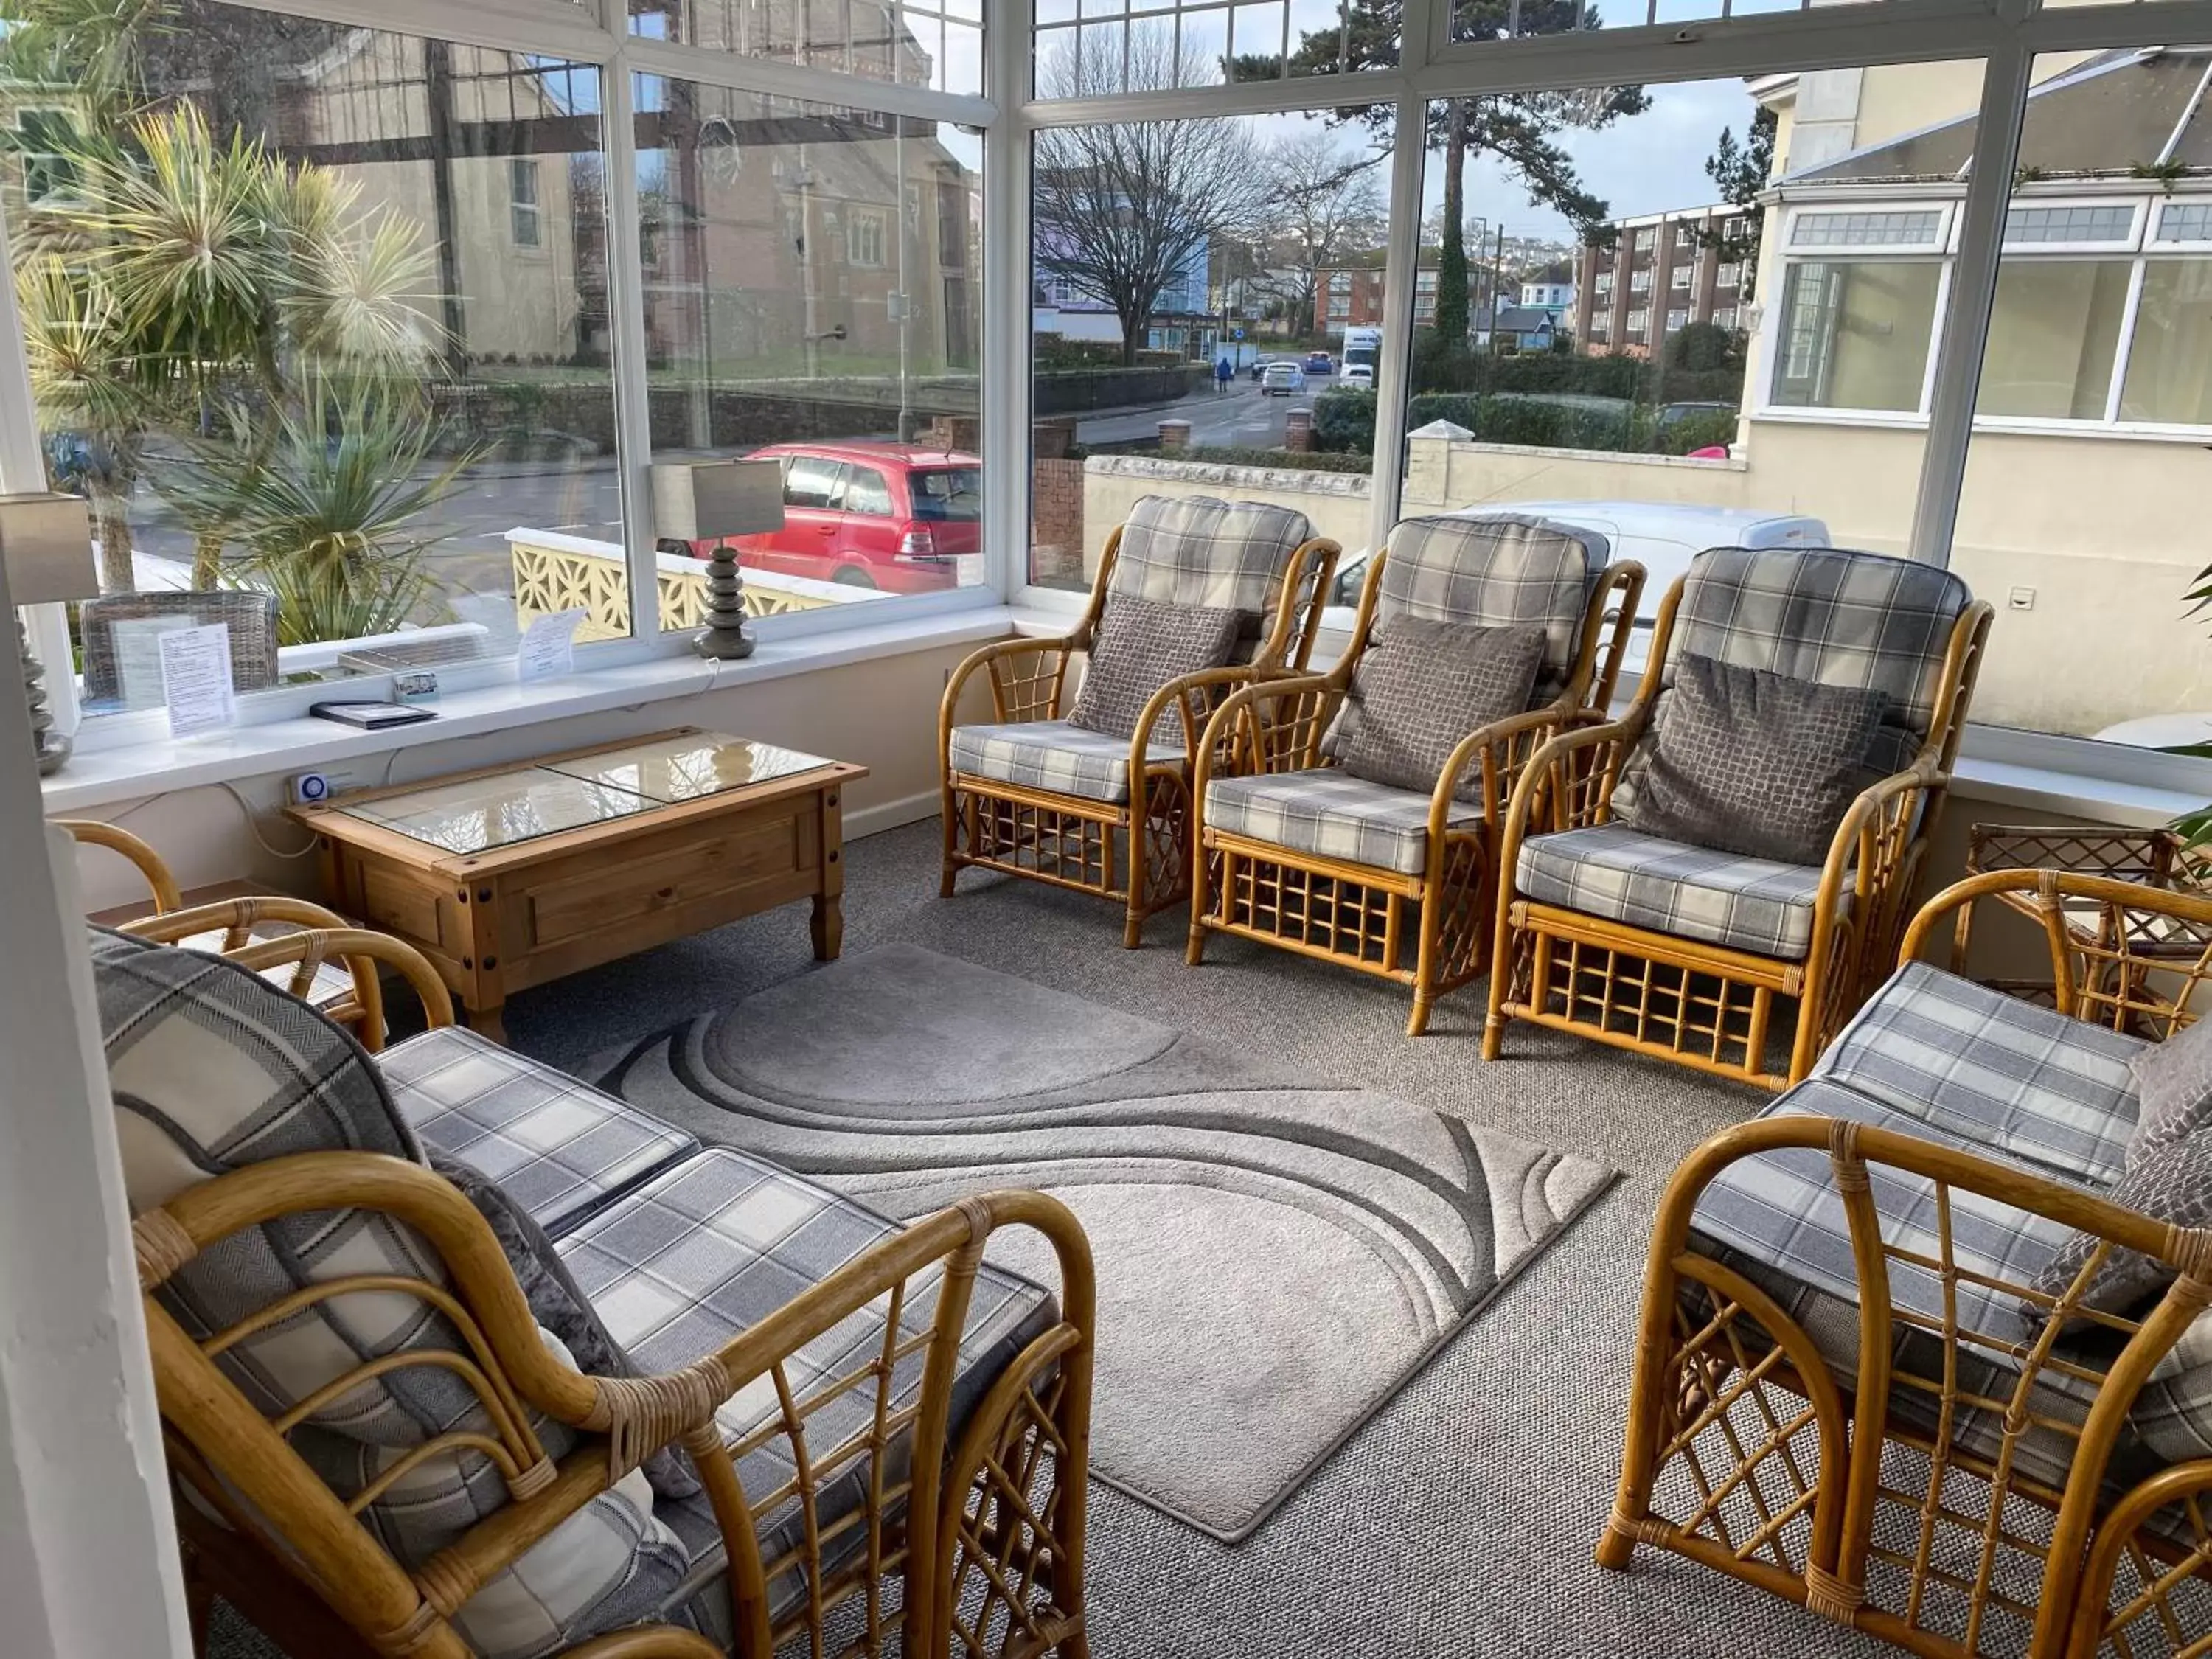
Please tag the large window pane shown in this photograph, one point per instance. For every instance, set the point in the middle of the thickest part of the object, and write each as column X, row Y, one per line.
column 385, row 367
column 1855, row 334
column 2052, row 334
column 812, row 284
column 920, row 43
column 2169, row 374
column 1198, row 287
column 1095, row 48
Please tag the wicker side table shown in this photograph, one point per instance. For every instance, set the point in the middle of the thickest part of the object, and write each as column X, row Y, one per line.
column 2155, row 857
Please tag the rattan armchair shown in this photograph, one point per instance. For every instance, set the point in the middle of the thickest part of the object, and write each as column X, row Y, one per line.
column 1849, row 1388
column 961, row 1527
column 1293, row 852
column 1673, row 952
column 1029, row 795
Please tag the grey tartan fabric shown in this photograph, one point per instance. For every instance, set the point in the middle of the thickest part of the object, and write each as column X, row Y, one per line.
column 1419, row 690
column 1743, row 761
column 1054, row 756
column 1840, row 618
column 2171, row 1182
column 1197, row 550
column 707, row 1249
column 2004, row 1074
column 1616, row 871
column 1141, row 646
column 1778, row 1219
column 558, row 1147
column 1329, row 813
column 1496, row 572
column 2173, row 1087
column 213, row 1069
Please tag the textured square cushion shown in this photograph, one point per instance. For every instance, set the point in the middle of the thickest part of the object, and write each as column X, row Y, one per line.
column 1331, row 814
column 1743, row 761
column 1193, row 551
column 558, row 1147
column 1140, row 645
column 707, row 1249
column 1059, row 758
column 1421, row 687
column 2005, row 1074
column 1616, row 871
column 2173, row 1087
column 2169, row 1182
column 213, row 1069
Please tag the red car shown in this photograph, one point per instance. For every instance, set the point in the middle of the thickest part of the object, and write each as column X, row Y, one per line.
column 895, row 516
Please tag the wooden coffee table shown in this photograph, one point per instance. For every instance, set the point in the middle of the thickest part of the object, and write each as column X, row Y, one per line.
column 511, row 876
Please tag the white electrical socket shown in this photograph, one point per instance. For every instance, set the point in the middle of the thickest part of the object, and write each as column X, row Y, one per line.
column 2021, row 598
column 313, row 788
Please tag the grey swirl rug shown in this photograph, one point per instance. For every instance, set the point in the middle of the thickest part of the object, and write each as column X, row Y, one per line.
column 1276, row 1254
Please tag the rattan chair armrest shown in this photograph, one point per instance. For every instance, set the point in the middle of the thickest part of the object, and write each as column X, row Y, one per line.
column 1246, row 711
column 94, row 832
column 236, row 917
column 1180, row 693
column 311, row 947
column 1504, row 748
column 987, row 657
column 647, row 1642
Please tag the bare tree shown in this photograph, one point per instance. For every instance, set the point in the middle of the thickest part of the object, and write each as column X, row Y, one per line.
column 1125, row 209
column 1325, row 203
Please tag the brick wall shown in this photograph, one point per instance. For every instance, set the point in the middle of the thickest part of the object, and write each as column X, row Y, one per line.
column 1056, row 524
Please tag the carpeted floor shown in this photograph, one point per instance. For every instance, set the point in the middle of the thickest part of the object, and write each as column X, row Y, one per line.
column 1460, row 1520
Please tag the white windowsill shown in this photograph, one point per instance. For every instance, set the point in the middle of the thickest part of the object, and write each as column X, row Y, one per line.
column 106, row 776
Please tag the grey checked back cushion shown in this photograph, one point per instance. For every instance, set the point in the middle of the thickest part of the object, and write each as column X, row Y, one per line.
column 1422, row 686
column 1746, row 762
column 2173, row 1087
column 213, row 1069
column 1197, row 551
column 1495, row 571
column 2170, row 1182
column 1140, row 645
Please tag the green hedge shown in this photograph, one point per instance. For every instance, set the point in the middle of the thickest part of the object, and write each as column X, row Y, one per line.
column 1344, row 423
column 1242, row 455
column 1344, row 420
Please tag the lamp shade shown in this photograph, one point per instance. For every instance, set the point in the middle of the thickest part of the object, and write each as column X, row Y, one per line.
column 706, row 501
column 45, row 542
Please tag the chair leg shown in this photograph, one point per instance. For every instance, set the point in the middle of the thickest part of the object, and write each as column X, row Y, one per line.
column 948, row 808
column 1419, row 1022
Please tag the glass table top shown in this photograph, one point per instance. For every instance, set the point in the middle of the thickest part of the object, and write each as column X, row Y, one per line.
column 475, row 815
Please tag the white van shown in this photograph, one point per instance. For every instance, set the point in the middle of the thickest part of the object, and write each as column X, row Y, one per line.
column 1662, row 537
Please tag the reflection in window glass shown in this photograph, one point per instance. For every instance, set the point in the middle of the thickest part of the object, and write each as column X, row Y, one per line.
column 919, row 43
column 1864, row 229
column 376, row 429
column 2185, row 221
column 2069, row 224
column 813, row 299
column 1206, row 43
column 2052, row 334
column 1855, row 334
column 2169, row 376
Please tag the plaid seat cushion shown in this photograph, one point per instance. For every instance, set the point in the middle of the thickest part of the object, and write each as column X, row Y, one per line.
column 1331, row 814
column 558, row 1147
column 713, row 1246
column 213, row 1069
column 1055, row 756
column 2003, row 1073
column 1778, row 1219
column 1611, row 870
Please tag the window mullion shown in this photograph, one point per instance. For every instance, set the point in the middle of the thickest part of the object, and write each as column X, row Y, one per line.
column 626, row 302
column 1002, row 383
column 1963, row 319
column 1400, row 268
column 2126, row 344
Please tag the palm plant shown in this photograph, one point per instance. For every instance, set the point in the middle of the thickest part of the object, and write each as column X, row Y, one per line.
column 320, row 497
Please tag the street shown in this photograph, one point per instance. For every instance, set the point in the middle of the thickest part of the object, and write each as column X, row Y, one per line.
column 1242, row 418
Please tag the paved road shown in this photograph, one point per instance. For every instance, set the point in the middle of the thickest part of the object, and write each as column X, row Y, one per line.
column 1243, row 416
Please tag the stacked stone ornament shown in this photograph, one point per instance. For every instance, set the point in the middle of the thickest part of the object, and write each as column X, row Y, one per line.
column 724, row 637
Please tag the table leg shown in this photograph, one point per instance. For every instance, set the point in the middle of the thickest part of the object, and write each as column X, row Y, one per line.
column 829, row 926
column 489, row 1022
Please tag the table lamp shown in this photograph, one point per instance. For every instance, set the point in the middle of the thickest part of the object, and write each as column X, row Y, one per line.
column 711, row 500
column 45, row 544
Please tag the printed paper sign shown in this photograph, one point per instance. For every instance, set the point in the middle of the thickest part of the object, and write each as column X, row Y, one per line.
column 548, row 649
column 195, row 681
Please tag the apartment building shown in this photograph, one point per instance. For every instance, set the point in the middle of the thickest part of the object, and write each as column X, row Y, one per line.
column 1655, row 275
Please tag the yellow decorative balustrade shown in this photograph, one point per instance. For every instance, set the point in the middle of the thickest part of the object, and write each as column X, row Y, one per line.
column 555, row 572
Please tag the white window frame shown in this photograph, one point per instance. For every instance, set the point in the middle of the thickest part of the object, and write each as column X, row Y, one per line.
column 2126, row 242
column 520, row 210
column 1678, row 278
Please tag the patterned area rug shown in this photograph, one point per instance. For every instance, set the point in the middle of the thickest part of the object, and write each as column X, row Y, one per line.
column 1277, row 1255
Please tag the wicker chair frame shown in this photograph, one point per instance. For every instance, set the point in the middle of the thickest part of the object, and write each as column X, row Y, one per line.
column 1709, row 1007
column 977, row 1549
column 313, row 939
column 1745, row 1452
column 1138, row 852
column 1362, row 915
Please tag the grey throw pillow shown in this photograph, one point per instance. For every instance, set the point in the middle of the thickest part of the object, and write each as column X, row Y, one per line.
column 1744, row 760
column 2171, row 1182
column 1422, row 685
column 558, row 1304
column 2173, row 1089
column 1141, row 644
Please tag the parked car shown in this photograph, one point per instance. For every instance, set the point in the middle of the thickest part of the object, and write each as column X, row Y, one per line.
column 1360, row 375
column 1259, row 365
column 900, row 517
column 1317, row 363
column 1283, row 376
column 1662, row 537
